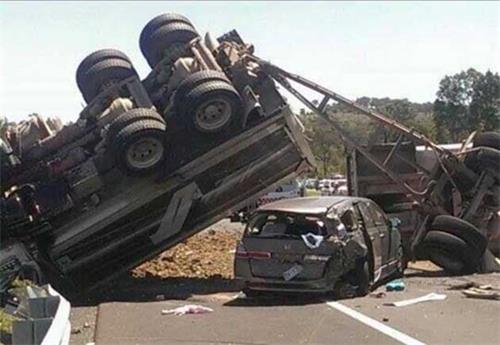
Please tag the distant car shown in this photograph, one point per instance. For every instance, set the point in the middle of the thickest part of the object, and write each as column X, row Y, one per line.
column 311, row 244
column 311, row 183
column 328, row 188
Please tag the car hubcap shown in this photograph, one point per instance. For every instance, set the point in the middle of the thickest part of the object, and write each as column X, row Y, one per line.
column 213, row 115
column 145, row 153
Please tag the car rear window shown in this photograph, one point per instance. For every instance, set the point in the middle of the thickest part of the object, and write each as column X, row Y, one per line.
column 284, row 225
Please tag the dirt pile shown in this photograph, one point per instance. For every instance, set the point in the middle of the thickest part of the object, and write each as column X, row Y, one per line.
column 207, row 254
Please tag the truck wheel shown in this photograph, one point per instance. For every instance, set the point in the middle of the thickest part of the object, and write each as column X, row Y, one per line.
column 450, row 252
column 211, row 107
column 488, row 139
column 195, row 79
column 445, row 260
column 362, row 272
column 485, row 158
column 139, row 147
column 129, row 117
column 102, row 74
column 165, row 38
column 96, row 57
column 157, row 22
column 463, row 230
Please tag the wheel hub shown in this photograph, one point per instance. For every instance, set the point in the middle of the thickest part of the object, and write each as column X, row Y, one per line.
column 213, row 115
column 145, row 153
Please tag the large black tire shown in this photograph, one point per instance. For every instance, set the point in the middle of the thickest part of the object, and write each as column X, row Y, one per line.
column 463, row 230
column 157, row 22
column 488, row 139
column 485, row 158
column 129, row 151
column 165, row 37
column 450, row 252
column 211, row 108
column 96, row 57
column 129, row 117
column 103, row 73
column 195, row 79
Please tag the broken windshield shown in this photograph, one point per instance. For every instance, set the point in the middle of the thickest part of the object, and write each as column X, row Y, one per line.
column 284, row 225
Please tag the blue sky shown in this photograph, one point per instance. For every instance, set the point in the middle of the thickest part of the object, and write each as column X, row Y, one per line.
column 373, row 49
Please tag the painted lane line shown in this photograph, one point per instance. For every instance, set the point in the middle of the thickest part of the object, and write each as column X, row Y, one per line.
column 391, row 332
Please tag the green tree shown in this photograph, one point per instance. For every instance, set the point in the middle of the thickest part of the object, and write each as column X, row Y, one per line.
column 465, row 102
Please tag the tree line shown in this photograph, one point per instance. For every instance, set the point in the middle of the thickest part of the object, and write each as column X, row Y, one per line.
column 465, row 102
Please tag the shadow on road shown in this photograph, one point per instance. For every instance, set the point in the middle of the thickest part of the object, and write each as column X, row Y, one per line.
column 130, row 289
column 273, row 300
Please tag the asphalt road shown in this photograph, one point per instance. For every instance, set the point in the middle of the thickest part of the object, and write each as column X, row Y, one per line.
column 309, row 320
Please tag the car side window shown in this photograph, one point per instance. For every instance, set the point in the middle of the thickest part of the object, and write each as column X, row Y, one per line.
column 367, row 216
column 378, row 215
column 349, row 220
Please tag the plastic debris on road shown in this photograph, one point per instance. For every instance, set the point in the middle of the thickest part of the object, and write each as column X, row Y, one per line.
column 429, row 297
column 311, row 240
column 395, row 285
column 187, row 309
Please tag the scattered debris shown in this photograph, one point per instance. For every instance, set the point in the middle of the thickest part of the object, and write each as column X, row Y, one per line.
column 395, row 285
column 429, row 297
column 76, row 330
column 86, row 325
column 380, row 294
column 484, row 292
column 462, row 286
column 187, row 309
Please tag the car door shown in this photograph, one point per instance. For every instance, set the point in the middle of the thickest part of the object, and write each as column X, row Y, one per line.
column 374, row 236
column 381, row 223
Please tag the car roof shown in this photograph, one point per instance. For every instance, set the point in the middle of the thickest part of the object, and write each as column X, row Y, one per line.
column 307, row 205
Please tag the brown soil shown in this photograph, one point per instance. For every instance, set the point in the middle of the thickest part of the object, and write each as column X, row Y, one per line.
column 209, row 253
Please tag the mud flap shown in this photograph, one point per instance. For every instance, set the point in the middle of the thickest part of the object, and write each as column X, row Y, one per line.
column 176, row 213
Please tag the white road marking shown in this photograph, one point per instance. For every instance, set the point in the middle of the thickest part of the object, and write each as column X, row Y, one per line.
column 391, row 332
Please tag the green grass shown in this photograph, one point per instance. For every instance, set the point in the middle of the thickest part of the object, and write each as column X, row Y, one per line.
column 312, row 192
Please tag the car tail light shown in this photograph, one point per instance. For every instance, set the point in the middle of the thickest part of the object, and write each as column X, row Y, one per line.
column 259, row 255
column 242, row 254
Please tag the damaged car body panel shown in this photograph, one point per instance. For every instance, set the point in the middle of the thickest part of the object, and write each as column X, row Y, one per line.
column 311, row 244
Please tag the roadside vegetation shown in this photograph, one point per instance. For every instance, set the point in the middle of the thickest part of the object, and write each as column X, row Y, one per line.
column 465, row 102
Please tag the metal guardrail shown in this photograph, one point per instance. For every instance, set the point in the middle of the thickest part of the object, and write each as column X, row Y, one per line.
column 47, row 319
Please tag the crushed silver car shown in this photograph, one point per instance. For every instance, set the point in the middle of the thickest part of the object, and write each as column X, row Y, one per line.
column 314, row 243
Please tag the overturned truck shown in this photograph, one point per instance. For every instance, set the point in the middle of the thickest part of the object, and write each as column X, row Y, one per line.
column 148, row 163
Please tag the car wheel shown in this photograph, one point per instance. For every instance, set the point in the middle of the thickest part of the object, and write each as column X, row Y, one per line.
column 139, row 147
column 211, row 108
column 103, row 74
column 129, row 117
column 166, row 38
column 362, row 272
column 450, row 252
column 463, row 230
